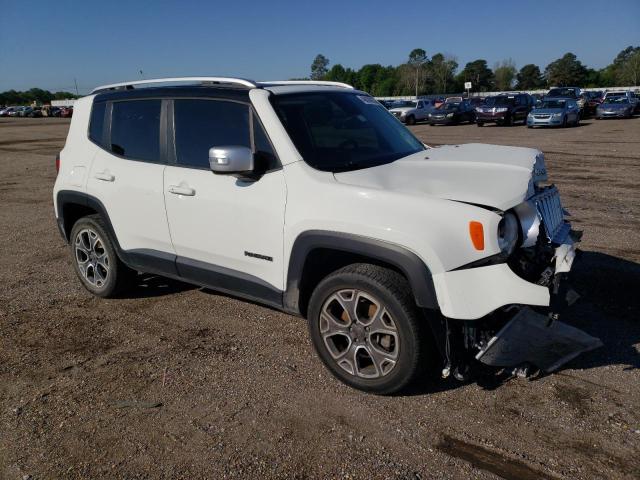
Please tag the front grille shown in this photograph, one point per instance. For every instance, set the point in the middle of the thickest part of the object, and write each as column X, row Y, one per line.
column 541, row 116
column 551, row 213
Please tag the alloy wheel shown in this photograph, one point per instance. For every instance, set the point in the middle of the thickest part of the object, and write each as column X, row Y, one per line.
column 91, row 257
column 359, row 333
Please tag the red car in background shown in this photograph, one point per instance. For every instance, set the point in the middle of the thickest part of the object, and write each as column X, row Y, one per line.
column 591, row 102
column 66, row 112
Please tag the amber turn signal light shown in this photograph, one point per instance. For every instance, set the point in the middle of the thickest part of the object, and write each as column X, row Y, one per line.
column 476, row 232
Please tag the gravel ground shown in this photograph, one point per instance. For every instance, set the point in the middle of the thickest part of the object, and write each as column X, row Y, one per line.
column 181, row 382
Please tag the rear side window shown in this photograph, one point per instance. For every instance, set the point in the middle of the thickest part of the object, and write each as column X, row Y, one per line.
column 202, row 124
column 96, row 126
column 135, row 129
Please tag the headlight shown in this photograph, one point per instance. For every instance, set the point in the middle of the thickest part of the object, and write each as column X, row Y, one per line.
column 449, row 115
column 508, row 233
column 501, row 109
column 557, row 115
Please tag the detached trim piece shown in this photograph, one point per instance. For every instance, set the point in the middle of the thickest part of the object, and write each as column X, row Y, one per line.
column 408, row 262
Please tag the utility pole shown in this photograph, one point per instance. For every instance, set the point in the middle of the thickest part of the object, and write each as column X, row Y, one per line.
column 76, row 83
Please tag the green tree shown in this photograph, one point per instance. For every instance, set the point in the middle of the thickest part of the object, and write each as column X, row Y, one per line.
column 417, row 61
column 529, row 78
column 566, row 71
column 319, row 67
column 505, row 73
column 337, row 73
column 479, row 74
column 630, row 69
column 442, row 69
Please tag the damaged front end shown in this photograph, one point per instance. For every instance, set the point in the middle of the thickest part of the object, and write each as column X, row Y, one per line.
column 527, row 338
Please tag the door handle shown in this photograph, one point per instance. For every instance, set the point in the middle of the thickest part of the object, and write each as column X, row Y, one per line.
column 105, row 176
column 179, row 190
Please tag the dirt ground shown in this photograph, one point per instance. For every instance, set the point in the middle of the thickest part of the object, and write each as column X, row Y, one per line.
column 180, row 382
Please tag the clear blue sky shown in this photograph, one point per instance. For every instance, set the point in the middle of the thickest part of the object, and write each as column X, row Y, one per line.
column 48, row 43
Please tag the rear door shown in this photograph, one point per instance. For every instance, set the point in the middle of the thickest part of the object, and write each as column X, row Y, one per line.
column 127, row 174
column 227, row 232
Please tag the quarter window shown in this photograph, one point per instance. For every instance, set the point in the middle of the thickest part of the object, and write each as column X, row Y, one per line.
column 96, row 127
column 202, row 124
column 135, row 129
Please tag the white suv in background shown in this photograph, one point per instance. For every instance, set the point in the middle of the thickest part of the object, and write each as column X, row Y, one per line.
column 311, row 198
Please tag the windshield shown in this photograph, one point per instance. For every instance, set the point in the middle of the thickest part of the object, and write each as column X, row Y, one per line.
column 616, row 99
column 404, row 103
column 450, row 106
column 562, row 92
column 493, row 101
column 553, row 104
column 340, row 131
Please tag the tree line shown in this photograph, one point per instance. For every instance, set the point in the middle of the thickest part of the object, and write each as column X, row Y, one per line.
column 27, row 97
column 421, row 75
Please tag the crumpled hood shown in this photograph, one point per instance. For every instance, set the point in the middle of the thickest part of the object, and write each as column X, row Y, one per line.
column 489, row 175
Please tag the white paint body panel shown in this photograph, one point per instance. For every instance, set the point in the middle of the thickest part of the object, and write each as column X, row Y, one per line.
column 490, row 175
column 227, row 217
column 473, row 293
column 134, row 200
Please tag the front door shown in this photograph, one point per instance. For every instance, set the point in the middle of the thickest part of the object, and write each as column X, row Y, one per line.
column 226, row 231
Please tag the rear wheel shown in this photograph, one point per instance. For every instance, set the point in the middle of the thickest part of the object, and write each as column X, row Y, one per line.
column 95, row 260
column 367, row 330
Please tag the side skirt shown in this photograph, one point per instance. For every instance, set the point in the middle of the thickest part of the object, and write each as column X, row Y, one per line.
column 203, row 274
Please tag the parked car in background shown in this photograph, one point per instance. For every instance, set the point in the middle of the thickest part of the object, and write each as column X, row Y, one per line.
column 574, row 93
column 386, row 103
column 476, row 101
column 16, row 112
column 451, row 113
column 622, row 93
column 438, row 101
column 66, row 112
column 413, row 111
column 592, row 100
column 25, row 112
column 615, row 107
column 35, row 112
column 555, row 112
column 537, row 98
column 504, row 109
column 6, row 112
column 453, row 100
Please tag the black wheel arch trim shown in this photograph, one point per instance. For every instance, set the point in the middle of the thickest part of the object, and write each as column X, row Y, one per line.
column 149, row 261
column 407, row 262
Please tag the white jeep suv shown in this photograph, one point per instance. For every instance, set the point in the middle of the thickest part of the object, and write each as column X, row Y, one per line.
column 310, row 197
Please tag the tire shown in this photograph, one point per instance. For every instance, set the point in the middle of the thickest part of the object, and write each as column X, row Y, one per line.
column 95, row 260
column 509, row 121
column 401, row 354
column 564, row 122
column 411, row 120
column 480, row 124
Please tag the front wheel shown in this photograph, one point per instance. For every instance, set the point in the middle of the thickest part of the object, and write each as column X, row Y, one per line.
column 367, row 330
column 95, row 260
column 411, row 120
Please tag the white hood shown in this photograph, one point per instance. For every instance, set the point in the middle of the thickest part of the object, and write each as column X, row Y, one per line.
column 490, row 175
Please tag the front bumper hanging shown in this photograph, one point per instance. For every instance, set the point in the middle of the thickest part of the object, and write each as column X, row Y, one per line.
column 533, row 338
